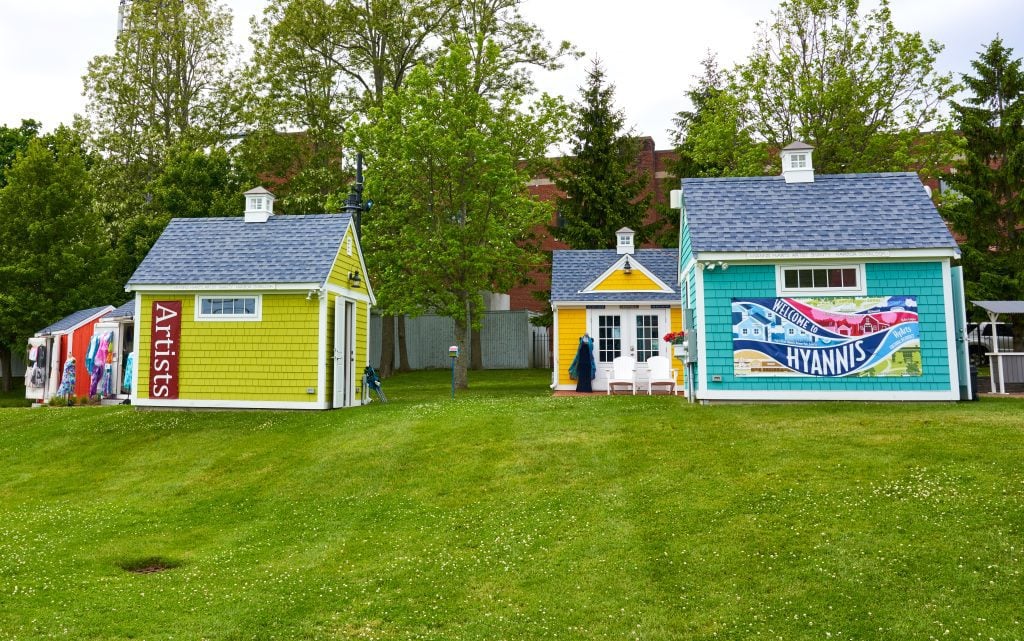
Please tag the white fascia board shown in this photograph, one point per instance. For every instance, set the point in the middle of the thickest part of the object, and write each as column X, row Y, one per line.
column 827, row 395
column 352, row 294
column 213, row 287
column 675, row 302
column 239, row 405
column 637, row 265
column 865, row 254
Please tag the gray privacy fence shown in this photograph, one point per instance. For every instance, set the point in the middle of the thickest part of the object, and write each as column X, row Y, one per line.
column 507, row 340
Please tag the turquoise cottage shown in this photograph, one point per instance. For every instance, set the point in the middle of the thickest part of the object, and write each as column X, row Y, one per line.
column 807, row 287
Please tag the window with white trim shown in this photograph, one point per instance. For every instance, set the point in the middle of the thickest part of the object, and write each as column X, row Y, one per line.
column 798, row 161
column 229, row 308
column 821, row 279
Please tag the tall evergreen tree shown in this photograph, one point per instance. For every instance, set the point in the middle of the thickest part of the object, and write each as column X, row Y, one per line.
column 986, row 203
column 603, row 189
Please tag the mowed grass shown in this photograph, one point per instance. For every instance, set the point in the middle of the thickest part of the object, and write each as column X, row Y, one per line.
column 509, row 514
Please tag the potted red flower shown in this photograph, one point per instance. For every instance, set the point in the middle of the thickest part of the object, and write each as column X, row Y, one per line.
column 677, row 340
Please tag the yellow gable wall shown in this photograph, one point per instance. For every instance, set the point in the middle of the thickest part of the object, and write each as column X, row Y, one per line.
column 273, row 359
column 619, row 281
column 344, row 264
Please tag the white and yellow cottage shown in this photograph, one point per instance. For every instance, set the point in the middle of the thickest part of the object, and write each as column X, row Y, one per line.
column 260, row 311
column 625, row 299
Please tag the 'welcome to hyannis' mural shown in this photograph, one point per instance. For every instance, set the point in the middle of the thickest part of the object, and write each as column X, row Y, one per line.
column 863, row 336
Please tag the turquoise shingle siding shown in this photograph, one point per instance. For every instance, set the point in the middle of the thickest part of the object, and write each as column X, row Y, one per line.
column 923, row 280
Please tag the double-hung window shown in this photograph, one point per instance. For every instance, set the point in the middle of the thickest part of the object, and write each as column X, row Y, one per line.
column 229, row 308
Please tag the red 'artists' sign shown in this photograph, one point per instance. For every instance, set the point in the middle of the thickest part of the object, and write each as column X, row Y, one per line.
column 164, row 343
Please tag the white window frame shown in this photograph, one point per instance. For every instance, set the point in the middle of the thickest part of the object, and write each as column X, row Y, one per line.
column 798, row 161
column 780, row 281
column 201, row 317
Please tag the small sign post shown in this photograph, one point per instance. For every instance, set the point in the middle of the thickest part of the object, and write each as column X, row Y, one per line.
column 453, row 353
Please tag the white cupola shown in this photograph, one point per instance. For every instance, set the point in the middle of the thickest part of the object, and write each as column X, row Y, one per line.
column 259, row 205
column 624, row 242
column 796, row 162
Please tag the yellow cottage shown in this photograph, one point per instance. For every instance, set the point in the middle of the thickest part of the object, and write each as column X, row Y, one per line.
column 625, row 299
column 260, row 311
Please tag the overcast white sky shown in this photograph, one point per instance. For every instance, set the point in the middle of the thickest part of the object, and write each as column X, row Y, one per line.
column 651, row 48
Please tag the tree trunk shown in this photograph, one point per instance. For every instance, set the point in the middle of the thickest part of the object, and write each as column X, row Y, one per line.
column 461, row 375
column 387, row 346
column 7, row 378
column 403, row 350
column 475, row 351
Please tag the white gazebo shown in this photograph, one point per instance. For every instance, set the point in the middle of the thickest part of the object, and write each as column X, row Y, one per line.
column 1006, row 367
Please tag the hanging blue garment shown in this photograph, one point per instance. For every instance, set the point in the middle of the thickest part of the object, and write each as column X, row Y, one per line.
column 129, row 371
column 67, row 379
column 90, row 354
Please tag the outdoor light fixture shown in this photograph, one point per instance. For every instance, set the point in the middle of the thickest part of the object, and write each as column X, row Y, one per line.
column 353, row 279
column 627, row 268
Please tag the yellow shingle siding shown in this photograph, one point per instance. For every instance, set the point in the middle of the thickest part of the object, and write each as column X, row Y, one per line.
column 346, row 263
column 619, row 281
column 676, row 324
column 273, row 359
column 572, row 323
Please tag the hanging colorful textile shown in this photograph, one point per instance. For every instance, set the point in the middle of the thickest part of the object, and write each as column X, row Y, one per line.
column 99, row 362
column 129, row 371
column 90, row 354
column 67, row 379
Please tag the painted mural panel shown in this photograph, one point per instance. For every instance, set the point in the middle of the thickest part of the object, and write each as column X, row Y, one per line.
column 826, row 337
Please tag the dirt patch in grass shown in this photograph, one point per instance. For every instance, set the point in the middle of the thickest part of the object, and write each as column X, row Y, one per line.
column 148, row 565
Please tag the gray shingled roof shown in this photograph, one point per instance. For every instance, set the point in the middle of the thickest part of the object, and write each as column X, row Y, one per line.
column 574, row 270
column 122, row 311
column 228, row 251
column 833, row 213
column 71, row 320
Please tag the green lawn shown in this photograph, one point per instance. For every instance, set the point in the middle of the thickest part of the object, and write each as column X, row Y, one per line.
column 508, row 514
column 14, row 398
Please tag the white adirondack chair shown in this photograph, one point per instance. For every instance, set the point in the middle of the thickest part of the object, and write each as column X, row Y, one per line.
column 661, row 373
column 622, row 372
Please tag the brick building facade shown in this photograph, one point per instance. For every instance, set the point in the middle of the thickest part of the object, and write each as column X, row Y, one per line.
column 651, row 162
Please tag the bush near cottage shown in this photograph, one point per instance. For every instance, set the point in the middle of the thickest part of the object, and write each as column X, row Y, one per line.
column 509, row 514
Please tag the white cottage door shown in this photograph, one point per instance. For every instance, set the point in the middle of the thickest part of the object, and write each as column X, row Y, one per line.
column 627, row 332
column 344, row 352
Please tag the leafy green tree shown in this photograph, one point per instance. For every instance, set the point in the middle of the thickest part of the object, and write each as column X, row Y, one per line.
column 168, row 80
column 14, row 140
column 53, row 247
column 200, row 183
column 986, row 200
column 603, row 189
column 451, row 212
column 712, row 140
column 849, row 83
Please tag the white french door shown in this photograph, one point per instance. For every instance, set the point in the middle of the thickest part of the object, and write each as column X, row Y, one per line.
column 344, row 352
column 626, row 332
